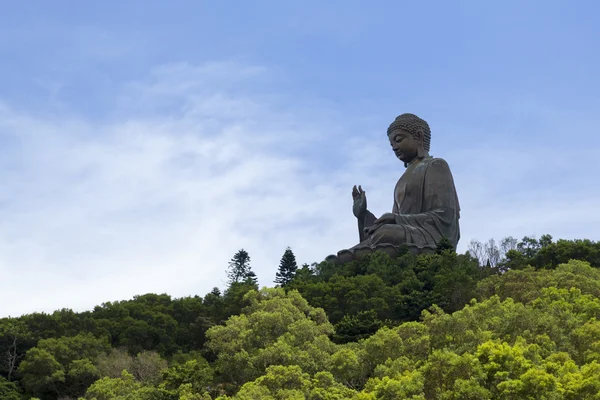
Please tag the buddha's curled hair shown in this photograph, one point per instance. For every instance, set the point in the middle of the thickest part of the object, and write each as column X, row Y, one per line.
column 413, row 125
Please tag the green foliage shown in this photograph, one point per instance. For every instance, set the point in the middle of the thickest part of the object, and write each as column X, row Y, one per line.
column 195, row 372
column 289, row 382
column 234, row 297
column 357, row 326
column 362, row 296
column 15, row 340
column 274, row 329
column 63, row 365
column 517, row 320
column 122, row 388
column 524, row 285
column 9, row 390
column 546, row 254
column 444, row 245
column 287, row 268
column 239, row 268
column 41, row 373
column 542, row 253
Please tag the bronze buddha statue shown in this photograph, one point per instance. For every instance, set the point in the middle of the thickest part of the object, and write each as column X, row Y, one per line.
column 425, row 208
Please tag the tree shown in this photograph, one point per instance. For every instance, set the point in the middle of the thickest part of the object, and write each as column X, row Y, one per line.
column 493, row 253
column 276, row 328
column 40, row 372
column 13, row 332
column 507, row 244
column 477, row 250
column 9, row 390
column 357, row 326
column 444, row 245
column 290, row 382
column 250, row 277
column 62, row 365
column 529, row 246
column 196, row 372
column 114, row 388
column 239, row 268
column 147, row 367
column 287, row 268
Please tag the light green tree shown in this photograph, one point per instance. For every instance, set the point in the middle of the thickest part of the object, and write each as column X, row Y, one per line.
column 274, row 329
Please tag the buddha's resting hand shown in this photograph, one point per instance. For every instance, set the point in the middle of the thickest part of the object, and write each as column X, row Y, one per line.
column 359, row 208
column 387, row 218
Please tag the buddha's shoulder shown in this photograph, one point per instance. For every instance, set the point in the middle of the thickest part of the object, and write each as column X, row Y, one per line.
column 436, row 162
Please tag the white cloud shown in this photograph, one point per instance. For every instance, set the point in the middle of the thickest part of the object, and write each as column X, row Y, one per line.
column 194, row 164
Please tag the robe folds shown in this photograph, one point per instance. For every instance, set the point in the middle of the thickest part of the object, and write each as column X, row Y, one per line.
column 426, row 208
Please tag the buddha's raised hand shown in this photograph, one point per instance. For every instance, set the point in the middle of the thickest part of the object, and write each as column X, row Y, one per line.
column 359, row 208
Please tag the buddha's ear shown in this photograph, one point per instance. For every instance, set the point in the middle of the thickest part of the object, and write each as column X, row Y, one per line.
column 421, row 153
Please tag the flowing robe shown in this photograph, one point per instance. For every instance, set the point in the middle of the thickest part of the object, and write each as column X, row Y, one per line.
column 426, row 208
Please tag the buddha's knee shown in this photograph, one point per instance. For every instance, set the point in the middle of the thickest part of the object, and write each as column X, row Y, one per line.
column 390, row 233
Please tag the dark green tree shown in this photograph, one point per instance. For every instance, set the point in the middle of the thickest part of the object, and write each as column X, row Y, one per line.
column 287, row 268
column 529, row 246
column 239, row 268
column 352, row 328
column 9, row 390
column 444, row 245
column 250, row 278
column 14, row 337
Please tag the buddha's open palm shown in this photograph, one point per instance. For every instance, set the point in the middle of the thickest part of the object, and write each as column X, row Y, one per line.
column 359, row 208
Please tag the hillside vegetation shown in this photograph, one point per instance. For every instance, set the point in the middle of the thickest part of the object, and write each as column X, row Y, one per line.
column 518, row 320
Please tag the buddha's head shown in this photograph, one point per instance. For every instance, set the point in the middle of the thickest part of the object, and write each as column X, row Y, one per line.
column 409, row 137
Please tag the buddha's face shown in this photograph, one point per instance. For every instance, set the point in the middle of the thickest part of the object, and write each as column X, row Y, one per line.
column 404, row 144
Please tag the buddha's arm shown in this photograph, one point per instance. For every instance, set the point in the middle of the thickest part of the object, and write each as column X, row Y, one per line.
column 365, row 222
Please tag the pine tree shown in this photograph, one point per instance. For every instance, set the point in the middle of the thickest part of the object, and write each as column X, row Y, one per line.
column 239, row 268
column 287, row 268
column 250, row 278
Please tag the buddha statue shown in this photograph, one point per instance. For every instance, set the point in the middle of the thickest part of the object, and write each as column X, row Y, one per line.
column 426, row 206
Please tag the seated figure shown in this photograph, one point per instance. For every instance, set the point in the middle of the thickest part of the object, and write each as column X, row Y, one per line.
column 425, row 206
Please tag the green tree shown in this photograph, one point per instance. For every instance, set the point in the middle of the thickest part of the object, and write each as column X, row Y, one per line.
column 353, row 327
column 239, row 268
column 62, row 365
column 195, row 372
column 41, row 374
column 80, row 375
column 529, row 246
column 233, row 298
column 456, row 279
column 9, row 390
column 124, row 387
column 405, row 327
column 289, row 382
column 14, row 338
column 274, row 329
column 444, row 245
column 287, row 268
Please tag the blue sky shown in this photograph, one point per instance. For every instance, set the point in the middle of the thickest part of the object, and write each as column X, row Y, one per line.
column 142, row 143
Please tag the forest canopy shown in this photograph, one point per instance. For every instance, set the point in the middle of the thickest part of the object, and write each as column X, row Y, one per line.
column 514, row 320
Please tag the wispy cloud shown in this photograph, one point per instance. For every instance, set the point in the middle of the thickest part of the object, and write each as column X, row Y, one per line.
column 194, row 163
column 154, row 201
